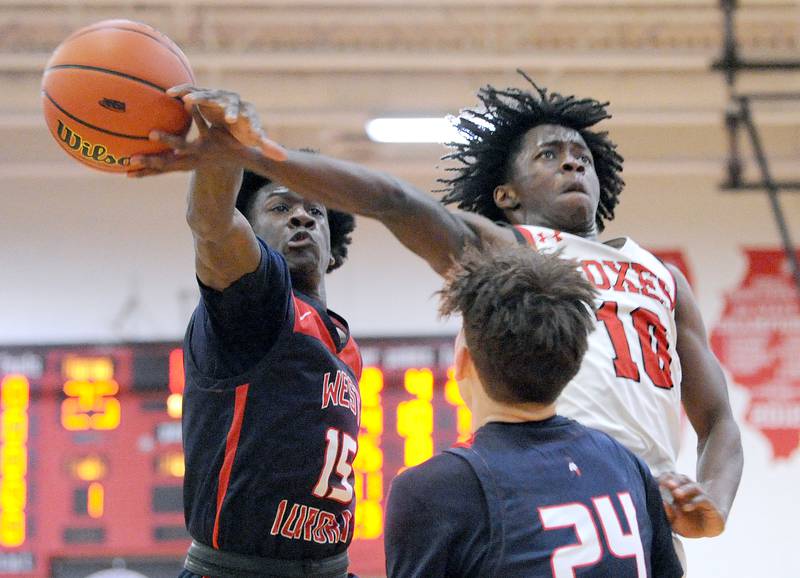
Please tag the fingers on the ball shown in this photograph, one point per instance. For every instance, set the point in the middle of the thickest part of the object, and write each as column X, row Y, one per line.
column 232, row 110
column 272, row 150
column 139, row 173
column 181, row 89
column 199, row 121
column 213, row 98
column 171, row 140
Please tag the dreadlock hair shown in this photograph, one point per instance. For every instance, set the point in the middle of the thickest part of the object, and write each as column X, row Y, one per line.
column 494, row 136
column 341, row 224
column 526, row 318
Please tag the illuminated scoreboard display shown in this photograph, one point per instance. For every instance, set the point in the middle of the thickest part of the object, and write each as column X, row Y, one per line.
column 91, row 464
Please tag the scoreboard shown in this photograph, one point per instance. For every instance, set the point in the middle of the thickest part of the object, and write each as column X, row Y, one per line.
column 91, row 463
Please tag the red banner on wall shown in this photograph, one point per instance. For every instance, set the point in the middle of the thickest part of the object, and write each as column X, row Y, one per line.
column 758, row 340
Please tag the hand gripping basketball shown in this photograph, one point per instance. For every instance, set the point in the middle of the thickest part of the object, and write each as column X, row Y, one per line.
column 223, row 108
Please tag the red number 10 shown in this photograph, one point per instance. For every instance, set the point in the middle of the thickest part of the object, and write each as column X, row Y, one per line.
column 652, row 342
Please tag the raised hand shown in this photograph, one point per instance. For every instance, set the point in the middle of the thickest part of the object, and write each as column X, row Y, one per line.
column 226, row 109
column 690, row 510
column 214, row 147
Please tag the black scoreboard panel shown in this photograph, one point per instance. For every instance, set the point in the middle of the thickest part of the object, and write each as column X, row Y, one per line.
column 91, row 464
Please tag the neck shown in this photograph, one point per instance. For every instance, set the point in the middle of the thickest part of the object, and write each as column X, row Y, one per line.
column 585, row 230
column 314, row 290
column 488, row 410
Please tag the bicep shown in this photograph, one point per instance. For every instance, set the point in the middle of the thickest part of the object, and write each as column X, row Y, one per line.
column 221, row 260
column 704, row 389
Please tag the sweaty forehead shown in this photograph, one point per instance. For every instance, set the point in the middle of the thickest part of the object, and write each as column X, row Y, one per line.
column 552, row 134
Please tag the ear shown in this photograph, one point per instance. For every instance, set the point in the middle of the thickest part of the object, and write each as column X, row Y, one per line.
column 331, row 264
column 505, row 197
column 463, row 366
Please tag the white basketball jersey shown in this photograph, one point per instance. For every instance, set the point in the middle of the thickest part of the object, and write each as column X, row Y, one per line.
column 629, row 384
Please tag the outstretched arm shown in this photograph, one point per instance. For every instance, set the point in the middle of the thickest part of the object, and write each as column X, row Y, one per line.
column 701, row 508
column 418, row 221
column 421, row 223
column 225, row 246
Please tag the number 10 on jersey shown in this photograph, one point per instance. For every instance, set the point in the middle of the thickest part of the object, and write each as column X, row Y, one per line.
column 652, row 341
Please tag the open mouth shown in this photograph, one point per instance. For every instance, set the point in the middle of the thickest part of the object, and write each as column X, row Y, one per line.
column 299, row 239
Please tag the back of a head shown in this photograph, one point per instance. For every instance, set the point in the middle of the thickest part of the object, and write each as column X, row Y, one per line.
column 526, row 318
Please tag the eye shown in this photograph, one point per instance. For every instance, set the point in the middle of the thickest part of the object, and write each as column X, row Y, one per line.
column 279, row 208
column 547, row 155
column 316, row 211
column 585, row 159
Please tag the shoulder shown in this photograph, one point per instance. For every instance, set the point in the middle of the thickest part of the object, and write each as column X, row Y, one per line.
column 487, row 231
column 445, row 487
column 444, row 473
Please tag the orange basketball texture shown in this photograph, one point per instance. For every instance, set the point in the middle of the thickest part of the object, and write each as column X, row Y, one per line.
column 103, row 91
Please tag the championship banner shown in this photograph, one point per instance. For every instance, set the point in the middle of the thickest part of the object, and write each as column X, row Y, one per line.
column 757, row 339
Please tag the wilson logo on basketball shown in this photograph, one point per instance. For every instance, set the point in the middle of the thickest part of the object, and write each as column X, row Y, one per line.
column 91, row 152
column 113, row 105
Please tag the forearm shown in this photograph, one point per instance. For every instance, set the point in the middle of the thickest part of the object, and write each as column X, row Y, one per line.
column 225, row 245
column 212, row 201
column 338, row 184
column 418, row 220
column 720, row 461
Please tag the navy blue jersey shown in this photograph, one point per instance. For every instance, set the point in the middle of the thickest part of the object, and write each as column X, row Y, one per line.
column 550, row 498
column 270, row 420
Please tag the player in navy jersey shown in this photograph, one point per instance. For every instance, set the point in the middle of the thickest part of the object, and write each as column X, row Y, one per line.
column 533, row 169
column 531, row 494
column 271, row 405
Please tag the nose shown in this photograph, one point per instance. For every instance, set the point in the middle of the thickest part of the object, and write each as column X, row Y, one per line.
column 300, row 218
column 570, row 164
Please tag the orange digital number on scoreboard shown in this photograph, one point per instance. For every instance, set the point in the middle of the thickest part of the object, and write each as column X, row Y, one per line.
column 415, row 417
column 369, row 460
column 14, row 402
column 91, row 390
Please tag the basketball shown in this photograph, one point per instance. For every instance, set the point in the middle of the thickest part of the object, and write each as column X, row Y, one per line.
column 104, row 90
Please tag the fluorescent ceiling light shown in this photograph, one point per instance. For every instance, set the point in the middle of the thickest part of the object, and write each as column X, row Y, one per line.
column 413, row 130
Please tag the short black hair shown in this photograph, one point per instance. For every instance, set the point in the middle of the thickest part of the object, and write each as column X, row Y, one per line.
column 494, row 135
column 341, row 224
column 526, row 317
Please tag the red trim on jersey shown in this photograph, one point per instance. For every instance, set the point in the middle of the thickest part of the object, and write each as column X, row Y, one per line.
column 352, row 357
column 231, row 444
column 308, row 322
column 527, row 234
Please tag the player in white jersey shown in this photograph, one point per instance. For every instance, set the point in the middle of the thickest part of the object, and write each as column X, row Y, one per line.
column 629, row 384
column 530, row 160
